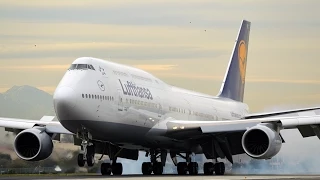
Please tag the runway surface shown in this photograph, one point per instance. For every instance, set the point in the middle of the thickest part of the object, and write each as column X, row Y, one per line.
column 167, row 177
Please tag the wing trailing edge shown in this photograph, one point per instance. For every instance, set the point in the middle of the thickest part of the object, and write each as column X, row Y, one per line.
column 278, row 113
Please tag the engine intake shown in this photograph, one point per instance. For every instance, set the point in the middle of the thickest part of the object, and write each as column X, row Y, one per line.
column 261, row 142
column 33, row 145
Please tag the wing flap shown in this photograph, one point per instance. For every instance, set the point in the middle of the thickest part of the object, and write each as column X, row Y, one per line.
column 306, row 131
column 309, row 130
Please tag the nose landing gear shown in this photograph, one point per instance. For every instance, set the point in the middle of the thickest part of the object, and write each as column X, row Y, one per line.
column 87, row 149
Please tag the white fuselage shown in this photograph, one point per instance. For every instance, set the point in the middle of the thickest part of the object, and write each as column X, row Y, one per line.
column 125, row 105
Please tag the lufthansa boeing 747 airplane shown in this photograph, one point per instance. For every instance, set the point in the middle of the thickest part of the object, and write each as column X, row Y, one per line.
column 117, row 110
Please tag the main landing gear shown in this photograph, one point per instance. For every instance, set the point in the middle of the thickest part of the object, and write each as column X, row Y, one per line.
column 154, row 166
column 87, row 149
column 184, row 167
column 191, row 168
column 210, row 167
column 114, row 167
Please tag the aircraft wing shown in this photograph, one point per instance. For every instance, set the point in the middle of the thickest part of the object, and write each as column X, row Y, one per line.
column 16, row 125
column 278, row 113
column 226, row 136
column 242, row 125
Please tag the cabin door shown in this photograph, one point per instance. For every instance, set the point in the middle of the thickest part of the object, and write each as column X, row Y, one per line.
column 120, row 100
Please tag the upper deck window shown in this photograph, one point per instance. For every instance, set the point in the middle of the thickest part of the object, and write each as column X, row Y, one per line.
column 81, row 67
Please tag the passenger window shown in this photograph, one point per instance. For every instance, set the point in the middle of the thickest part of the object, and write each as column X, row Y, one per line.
column 86, row 95
column 89, row 96
column 82, row 96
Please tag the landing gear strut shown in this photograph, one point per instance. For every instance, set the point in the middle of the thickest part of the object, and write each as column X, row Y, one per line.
column 188, row 166
column 114, row 167
column 87, row 149
column 154, row 166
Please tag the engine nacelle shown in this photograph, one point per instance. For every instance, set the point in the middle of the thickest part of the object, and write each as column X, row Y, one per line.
column 33, row 145
column 261, row 142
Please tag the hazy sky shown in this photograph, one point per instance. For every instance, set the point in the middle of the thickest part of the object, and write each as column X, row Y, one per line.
column 186, row 43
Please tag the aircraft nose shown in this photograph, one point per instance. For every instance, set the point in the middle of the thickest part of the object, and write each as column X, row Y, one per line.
column 64, row 102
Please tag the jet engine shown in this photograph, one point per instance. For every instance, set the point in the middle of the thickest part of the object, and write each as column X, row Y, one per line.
column 261, row 142
column 33, row 145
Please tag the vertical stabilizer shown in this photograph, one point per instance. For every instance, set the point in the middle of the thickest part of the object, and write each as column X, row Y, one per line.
column 234, row 80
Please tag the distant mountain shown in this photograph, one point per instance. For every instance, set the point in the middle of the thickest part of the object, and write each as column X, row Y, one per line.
column 25, row 102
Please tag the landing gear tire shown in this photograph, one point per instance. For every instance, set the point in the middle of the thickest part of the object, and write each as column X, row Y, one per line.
column 146, row 168
column 106, row 169
column 117, row 169
column 219, row 168
column 157, row 168
column 81, row 161
column 90, row 155
column 182, row 168
column 90, row 160
column 208, row 168
column 193, row 168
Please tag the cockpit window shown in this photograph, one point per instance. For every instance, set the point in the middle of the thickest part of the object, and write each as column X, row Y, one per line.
column 73, row 66
column 91, row 67
column 81, row 67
